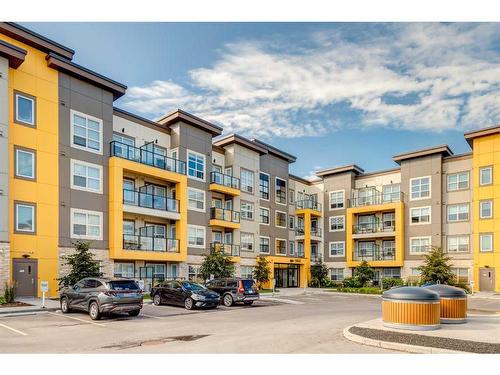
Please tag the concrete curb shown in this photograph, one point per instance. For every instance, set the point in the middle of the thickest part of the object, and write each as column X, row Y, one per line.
column 4, row 314
column 397, row 346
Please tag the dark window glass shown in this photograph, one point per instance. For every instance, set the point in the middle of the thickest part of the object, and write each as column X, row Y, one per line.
column 124, row 285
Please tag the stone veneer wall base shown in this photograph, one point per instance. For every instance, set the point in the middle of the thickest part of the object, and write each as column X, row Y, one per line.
column 4, row 264
column 101, row 255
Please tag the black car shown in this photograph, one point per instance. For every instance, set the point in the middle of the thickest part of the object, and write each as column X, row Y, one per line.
column 234, row 290
column 184, row 293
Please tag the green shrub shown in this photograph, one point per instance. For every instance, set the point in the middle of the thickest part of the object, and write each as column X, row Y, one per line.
column 389, row 282
column 351, row 282
column 363, row 290
column 9, row 294
column 364, row 273
column 2, row 300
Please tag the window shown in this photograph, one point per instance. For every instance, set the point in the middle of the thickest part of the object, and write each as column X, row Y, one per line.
column 389, row 221
column 291, row 247
column 86, row 132
column 337, row 248
column 264, row 215
column 194, row 272
column 337, row 199
column 280, row 246
column 291, row 222
column 420, row 188
column 25, row 109
column 280, row 219
column 196, row 199
column 246, row 272
column 124, row 270
column 300, row 249
column 247, row 210
column 264, row 245
column 128, row 227
column 25, row 217
column 25, row 163
column 461, row 274
column 246, row 178
column 86, row 176
column 458, row 244
column 196, row 165
column 280, row 191
column 420, row 215
column 486, row 242
column 391, row 273
column 264, row 185
column 458, row 181
column 337, row 223
column 336, row 274
column 415, row 272
column 246, row 241
column 486, row 209
column 419, row 245
column 291, row 196
column 458, row 212
column 86, row 224
column 486, row 176
column 389, row 249
column 391, row 193
column 196, row 236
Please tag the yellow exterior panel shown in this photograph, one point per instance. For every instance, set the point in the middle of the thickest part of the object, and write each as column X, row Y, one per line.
column 224, row 189
column 223, row 224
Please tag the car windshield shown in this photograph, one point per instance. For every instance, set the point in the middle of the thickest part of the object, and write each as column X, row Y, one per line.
column 123, row 285
column 192, row 286
column 247, row 284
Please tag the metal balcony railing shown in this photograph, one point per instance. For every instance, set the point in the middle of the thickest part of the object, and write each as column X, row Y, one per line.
column 150, row 243
column 148, row 157
column 224, row 215
column 225, row 180
column 146, row 200
column 372, row 228
column 300, row 231
column 228, row 249
column 373, row 253
column 308, row 203
column 376, row 197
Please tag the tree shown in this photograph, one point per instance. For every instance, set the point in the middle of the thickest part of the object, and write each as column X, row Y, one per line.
column 436, row 267
column 364, row 273
column 217, row 264
column 82, row 265
column 319, row 273
column 262, row 271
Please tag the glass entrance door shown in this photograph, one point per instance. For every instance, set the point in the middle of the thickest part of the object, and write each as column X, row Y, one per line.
column 286, row 275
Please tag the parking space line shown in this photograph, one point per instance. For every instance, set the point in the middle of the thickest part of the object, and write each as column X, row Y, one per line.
column 13, row 329
column 80, row 320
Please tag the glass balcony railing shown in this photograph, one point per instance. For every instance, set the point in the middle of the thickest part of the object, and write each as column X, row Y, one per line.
column 373, row 252
column 308, row 203
column 225, row 180
column 148, row 157
column 224, row 215
column 228, row 249
column 146, row 200
column 375, row 198
column 149, row 243
column 372, row 228
column 299, row 231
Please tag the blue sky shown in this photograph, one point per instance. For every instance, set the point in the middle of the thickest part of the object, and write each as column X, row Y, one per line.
column 329, row 93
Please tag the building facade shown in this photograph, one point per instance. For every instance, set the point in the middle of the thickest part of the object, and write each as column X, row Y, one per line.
column 154, row 197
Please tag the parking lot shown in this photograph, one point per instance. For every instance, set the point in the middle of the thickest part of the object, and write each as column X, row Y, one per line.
column 304, row 324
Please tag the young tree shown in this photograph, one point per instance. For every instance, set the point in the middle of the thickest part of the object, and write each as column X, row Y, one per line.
column 82, row 265
column 262, row 271
column 436, row 267
column 319, row 273
column 364, row 273
column 217, row 264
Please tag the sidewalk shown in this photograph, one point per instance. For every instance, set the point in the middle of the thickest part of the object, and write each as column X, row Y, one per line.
column 36, row 306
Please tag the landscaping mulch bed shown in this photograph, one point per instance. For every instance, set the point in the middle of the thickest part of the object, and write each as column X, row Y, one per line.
column 429, row 341
column 15, row 304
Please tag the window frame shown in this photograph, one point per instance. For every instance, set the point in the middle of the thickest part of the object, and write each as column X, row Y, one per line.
column 330, row 200
column 197, row 227
column 420, row 222
column 33, row 207
column 204, row 200
column 276, row 218
column 330, row 223
column 276, row 178
column 490, row 167
column 100, row 214
column 420, row 197
column 489, row 234
column 481, row 202
column 242, row 185
column 33, row 109
column 336, row 243
column 458, row 213
column 252, row 211
column 16, row 163
column 268, row 186
column 86, row 164
column 188, row 151
column 411, row 252
column 457, row 237
column 276, row 246
column 268, row 245
column 242, row 248
column 122, row 264
column 337, row 269
column 268, row 216
column 458, row 181
column 72, row 132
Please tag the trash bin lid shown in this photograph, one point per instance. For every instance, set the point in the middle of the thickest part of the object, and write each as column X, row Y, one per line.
column 446, row 290
column 410, row 293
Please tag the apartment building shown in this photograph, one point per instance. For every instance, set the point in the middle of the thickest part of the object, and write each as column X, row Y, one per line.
column 154, row 197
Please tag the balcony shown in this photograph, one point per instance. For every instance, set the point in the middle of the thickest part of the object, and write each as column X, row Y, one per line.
column 308, row 204
column 373, row 230
column 228, row 249
column 147, row 157
column 220, row 217
column 315, row 231
column 150, row 243
column 138, row 202
column 225, row 184
column 373, row 252
column 375, row 198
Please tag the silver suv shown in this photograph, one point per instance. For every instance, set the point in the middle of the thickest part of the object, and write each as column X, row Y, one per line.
column 99, row 296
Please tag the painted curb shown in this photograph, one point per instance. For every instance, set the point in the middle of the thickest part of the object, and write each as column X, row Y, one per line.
column 397, row 346
column 5, row 314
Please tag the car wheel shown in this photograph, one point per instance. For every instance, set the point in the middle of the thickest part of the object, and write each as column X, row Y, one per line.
column 157, row 300
column 189, row 303
column 65, row 306
column 134, row 312
column 94, row 311
column 228, row 300
column 248, row 303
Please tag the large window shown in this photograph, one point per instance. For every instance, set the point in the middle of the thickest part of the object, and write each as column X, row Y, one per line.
column 246, row 210
column 457, row 244
column 420, row 215
column 391, row 193
column 196, row 199
column 486, row 209
column 458, row 181
column 280, row 246
column 264, row 215
column 86, row 176
column 194, row 272
column 25, row 217
column 337, row 223
column 196, row 165
column 86, row 132
column 264, row 185
column 246, row 272
column 486, row 176
column 336, row 274
column 337, row 199
column 486, row 242
column 458, row 212
column 280, row 191
column 25, row 162
column 246, row 241
column 420, row 188
column 264, row 245
column 280, row 219
column 25, row 109
column 391, row 273
column 461, row 275
column 86, row 224
column 196, row 236
column 246, row 178
column 420, row 245
column 337, row 248
column 124, row 270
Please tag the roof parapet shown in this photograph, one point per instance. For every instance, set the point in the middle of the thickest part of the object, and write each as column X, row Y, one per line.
column 346, row 168
column 275, row 151
column 13, row 54
column 442, row 149
column 242, row 141
column 470, row 136
column 180, row 115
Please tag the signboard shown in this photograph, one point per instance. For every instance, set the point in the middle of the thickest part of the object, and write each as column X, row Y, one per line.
column 44, row 286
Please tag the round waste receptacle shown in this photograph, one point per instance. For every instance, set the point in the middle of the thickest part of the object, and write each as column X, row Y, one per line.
column 410, row 308
column 453, row 303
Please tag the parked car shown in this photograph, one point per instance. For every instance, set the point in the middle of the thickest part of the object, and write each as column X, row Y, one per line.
column 234, row 290
column 99, row 296
column 184, row 293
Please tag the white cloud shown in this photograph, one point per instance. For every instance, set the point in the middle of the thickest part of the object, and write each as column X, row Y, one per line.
column 266, row 89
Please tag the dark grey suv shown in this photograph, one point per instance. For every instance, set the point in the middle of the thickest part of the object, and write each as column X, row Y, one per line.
column 99, row 296
column 234, row 290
